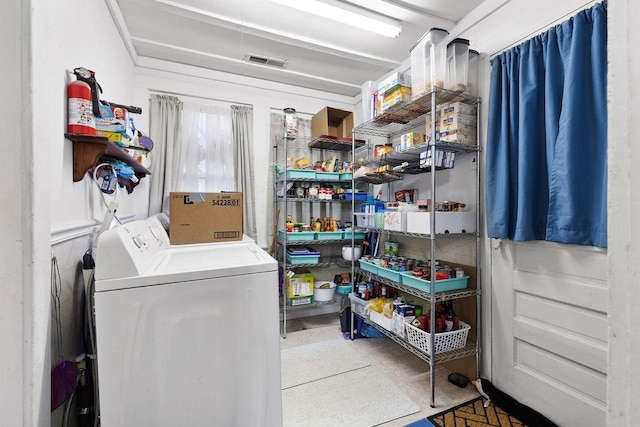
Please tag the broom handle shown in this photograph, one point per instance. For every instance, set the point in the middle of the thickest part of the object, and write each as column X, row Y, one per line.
column 275, row 231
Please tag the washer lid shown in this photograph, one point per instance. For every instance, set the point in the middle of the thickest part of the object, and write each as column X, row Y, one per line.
column 197, row 262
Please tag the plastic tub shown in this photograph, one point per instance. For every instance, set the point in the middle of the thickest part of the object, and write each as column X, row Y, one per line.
column 472, row 73
column 428, row 62
column 329, row 235
column 457, row 67
column 441, row 285
column 296, row 236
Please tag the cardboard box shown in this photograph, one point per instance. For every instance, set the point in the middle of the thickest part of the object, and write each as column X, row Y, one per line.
column 395, row 79
column 332, row 122
column 205, row 217
column 453, row 108
column 411, row 139
column 460, row 136
column 457, row 121
column 299, row 286
column 396, row 96
column 114, row 119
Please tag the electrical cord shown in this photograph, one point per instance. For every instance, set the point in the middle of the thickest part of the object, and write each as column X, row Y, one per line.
column 102, row 193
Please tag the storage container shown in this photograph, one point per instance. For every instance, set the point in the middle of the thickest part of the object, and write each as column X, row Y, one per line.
column 357, row 235
column 398, row 323
column 444, row 341
column 290, row 123
column 457, row 67
column 359, row 306
column 472, row 76
column 389, row 274
column 409, row 279
column 299, row 174
column 428, row 62
column 367, row 266
column 300, row 287
column 298, row 255
column 297, row 236
column 324, row 294
column 446, row 222
column 360, row 197
column 328, row 176
column 381, row 320
column 329, row 235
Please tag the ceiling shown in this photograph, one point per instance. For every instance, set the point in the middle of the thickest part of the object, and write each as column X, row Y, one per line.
column 320, row 53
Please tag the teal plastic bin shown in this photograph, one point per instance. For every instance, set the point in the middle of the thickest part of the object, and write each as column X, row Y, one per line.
column 441, row 285
column 329, row 235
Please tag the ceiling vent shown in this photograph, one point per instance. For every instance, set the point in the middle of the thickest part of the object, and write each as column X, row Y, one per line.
column 263, row 60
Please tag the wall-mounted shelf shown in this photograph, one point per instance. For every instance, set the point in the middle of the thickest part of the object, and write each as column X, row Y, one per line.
column 88, row 150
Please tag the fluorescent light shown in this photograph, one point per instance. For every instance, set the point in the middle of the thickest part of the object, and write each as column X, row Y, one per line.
column 347, row 14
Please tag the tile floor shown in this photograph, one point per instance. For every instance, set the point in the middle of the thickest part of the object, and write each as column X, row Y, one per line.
column 407, row 371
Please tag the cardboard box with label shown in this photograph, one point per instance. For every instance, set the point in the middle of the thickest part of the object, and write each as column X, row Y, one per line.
column 113, row 119
column 300, row 287
column 332, row 122
column 392, row 81
column 205, row 217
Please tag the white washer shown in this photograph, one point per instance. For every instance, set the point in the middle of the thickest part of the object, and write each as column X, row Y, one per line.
column 187, row 335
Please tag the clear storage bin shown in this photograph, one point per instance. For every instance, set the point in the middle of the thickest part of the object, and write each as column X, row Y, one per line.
column 428, row 58
column 457, row 65
column 472, row 78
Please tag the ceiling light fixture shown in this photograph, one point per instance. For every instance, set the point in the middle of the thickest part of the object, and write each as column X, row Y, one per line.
column 347, row 14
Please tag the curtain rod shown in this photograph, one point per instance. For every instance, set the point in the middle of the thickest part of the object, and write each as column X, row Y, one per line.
column 163, row 92
column 543, row 28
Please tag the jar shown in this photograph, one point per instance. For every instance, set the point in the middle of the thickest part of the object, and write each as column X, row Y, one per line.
column 290, row 123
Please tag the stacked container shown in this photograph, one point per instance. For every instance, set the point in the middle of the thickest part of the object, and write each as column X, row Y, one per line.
column 472, row 84
column 428, row 58
column 457, row 65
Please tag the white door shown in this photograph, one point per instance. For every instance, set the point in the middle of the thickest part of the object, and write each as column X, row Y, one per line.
column 549, row 328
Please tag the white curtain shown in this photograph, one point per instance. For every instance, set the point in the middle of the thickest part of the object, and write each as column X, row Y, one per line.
column 242, row 119
column 165, row 121
column 207, row 153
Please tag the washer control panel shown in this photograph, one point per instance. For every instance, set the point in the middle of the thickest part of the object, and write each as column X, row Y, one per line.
column 129, row 249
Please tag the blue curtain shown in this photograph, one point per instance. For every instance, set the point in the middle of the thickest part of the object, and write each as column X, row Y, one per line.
column 546, row 159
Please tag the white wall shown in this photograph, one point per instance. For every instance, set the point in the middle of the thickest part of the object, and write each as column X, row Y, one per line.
column 42, row 39
column 15, row 229
column 159, row 76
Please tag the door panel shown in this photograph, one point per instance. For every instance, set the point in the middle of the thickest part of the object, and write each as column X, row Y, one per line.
column 549, row 328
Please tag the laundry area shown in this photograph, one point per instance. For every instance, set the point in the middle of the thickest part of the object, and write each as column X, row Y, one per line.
column 319, row 213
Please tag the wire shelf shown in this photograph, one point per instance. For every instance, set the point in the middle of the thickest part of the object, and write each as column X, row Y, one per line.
column 316, row 242
column 379, row 177
column 411, row 114
column 326, row 142
column 408, row 234
column 469, row 349
column 440, row 296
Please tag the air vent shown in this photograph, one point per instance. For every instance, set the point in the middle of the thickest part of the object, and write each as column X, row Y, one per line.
column 263, row 60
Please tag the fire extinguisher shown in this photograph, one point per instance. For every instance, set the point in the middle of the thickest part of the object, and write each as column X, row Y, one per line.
column 80, row 106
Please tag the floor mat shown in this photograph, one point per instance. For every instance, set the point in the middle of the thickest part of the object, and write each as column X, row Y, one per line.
column 473, row 413
column 319, row 360
column 362, row 397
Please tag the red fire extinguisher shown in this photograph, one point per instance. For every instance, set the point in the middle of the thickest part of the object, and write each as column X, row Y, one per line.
column 80, row 108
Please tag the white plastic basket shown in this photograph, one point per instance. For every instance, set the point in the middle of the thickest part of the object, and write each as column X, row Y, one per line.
column 397, row 324
column 445, row 341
